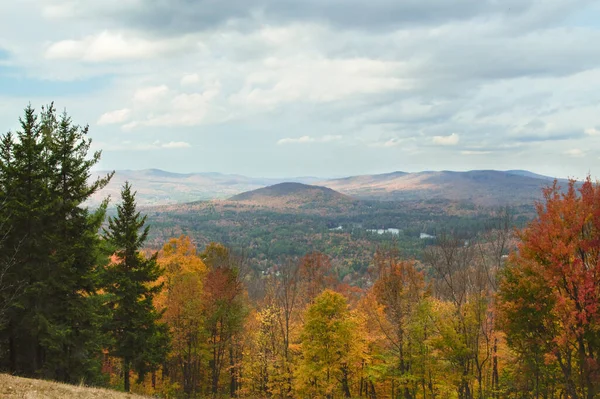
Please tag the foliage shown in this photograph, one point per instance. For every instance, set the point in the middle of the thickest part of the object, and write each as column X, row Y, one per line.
column 138, row 336
column 50, row 240
column 550, row 293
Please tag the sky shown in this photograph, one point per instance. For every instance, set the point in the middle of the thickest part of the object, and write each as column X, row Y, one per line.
column 323, row 88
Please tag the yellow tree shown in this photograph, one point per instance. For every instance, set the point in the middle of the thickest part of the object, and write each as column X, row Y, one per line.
column 332, row 350
column 182, row 301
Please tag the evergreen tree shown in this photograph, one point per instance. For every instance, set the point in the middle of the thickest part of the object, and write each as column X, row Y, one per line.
column 51, row 242
column 140, row 340
column 26, row 194
column 75, row 341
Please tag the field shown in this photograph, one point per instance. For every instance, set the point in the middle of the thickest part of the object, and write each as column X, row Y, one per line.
column 25, row 388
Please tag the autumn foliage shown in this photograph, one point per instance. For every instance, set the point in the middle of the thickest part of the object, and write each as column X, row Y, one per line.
column 550, row 297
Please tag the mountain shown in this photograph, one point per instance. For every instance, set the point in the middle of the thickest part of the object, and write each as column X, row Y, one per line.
column 159, row 187
column 291, row 195
column 479, row 187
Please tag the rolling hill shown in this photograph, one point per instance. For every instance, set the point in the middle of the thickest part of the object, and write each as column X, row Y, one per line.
column 293, row 195
column 479, row 187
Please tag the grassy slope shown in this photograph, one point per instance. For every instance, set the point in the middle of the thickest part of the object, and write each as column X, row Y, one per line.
column 16, row 387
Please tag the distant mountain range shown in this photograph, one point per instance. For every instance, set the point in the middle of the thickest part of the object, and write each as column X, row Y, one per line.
column 479, row 187
column 158, row 187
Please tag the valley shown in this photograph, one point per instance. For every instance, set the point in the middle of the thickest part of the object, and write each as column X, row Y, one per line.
column 288, row 220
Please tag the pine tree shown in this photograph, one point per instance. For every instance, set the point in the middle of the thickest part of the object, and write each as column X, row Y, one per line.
column 140, row 340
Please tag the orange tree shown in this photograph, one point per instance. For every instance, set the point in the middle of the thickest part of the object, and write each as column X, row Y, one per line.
column 549, row 298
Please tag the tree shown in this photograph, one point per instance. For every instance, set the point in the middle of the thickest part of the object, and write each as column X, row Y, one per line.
column 400, row 290
column 140, row 339
column 550, row 293
column 331, row 349
column 183, row 310
column 224, row 313
column 52, row 327
column 314, row 270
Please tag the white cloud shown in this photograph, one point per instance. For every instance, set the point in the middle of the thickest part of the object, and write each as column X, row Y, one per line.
column 160, row 106
column 575, row 152
column 191, row 79
column 113, row 117
column 150, row 94
column 592, row 131
column 309, row 139
column 446, row 140
column 114, row 46
column 281, row 80
column 475, row 152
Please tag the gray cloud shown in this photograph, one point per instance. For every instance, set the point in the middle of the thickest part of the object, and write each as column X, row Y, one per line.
column 177, row 16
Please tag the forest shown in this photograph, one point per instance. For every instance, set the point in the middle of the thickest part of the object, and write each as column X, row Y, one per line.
column 84, row 299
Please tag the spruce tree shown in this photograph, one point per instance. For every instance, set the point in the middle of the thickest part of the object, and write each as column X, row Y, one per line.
column 74, row 340
column 25, row 191
column 139, row 339
column 51, row 241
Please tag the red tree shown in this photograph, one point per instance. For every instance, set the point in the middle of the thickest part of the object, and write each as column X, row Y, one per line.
column 550, row 295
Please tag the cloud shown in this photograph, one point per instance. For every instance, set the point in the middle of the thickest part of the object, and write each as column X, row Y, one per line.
column 446, row 140
column 114, row 117
column 159, row 106
column 389, row 143
column 114, row 46
column 190, row 79
column 129, row 145
column 575, row 152
column 176, row 144
column 179, row 16
column 309, row 139
column 150, row 94
column 475, row 152
column 380, row 71
column 314, row 79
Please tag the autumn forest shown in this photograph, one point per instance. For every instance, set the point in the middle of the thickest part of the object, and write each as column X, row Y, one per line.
column 85, row 298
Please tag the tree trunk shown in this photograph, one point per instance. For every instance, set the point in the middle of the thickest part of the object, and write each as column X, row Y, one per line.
column 345, row 383
column 126, row 369
column 495, row 374
column 12, row 348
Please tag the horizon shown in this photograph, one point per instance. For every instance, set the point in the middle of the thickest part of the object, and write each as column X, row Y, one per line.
column 324, row 177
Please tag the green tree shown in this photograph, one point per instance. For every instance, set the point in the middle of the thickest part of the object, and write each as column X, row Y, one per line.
column 140, row 339
column 75, row 340
column 51, row 243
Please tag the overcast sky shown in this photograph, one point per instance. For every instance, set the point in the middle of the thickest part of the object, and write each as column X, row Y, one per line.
column 314, row 87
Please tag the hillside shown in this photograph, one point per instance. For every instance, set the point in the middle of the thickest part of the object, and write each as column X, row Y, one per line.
column 293, row 195
column 479, row 187
column 16, row 387
column 159, row 187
